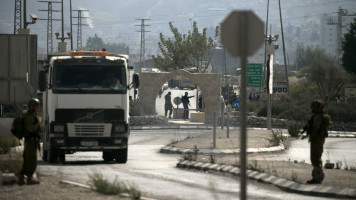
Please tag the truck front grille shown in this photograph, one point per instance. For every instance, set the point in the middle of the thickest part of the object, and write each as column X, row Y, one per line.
column 89, row 130
column 89, row 115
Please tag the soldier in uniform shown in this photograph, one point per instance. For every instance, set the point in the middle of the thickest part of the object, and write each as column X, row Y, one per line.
column 32, row 128
column 317, row 131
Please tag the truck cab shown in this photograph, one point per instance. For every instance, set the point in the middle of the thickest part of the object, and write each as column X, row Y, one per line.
column 86, row 104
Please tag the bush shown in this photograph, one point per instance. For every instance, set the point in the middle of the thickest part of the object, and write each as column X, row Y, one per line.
column 101, row 185
column 277, row 138
column 293, row 129
column 5, row 144
column 342, row 112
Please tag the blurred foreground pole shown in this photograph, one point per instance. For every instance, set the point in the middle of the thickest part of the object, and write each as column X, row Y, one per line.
column 243, row 64
column 242, row 35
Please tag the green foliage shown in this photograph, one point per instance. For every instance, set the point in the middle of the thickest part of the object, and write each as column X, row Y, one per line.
column 97, row 43
column 293, row 129
column 342, row 112
column 307, row 55
column 349, row 49
column 277, row 138
column 194, row 49
column 6, row 143
column 328, row 77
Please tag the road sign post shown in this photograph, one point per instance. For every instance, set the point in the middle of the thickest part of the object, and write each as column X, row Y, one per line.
column 242, row 35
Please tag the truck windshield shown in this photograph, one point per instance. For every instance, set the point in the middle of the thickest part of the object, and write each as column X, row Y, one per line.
column 89, row 78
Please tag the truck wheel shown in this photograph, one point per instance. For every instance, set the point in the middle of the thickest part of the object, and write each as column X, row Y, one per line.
column 52, row 155
column 61, row 156
column 44, row 155
column 108, row 156
column 121, row 156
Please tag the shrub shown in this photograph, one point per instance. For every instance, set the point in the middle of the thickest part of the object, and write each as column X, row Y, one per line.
column 277, row 138
column 101, row 185
column 293, row 129
column 342, row 112
column 5, row 144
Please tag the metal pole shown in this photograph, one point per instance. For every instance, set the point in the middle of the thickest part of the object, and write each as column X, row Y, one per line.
column 214, row 131
column 227, row 123
column 269, row 104
column 284, row 47
column 265, row 64
column 24, row 15
column 244, row 50
column 71, row 26
column 62, row 24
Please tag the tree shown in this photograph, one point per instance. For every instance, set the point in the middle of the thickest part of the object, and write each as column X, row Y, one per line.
column 349, row 48
column 306, row 56
column 194, row 49
column 328, row 76
column 95, row 43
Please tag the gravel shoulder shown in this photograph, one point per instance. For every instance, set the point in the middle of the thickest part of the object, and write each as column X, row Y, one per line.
column 290, row 170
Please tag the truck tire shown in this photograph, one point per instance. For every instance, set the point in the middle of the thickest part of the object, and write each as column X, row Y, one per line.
column 121, row 156
column 52, row 155
column 108, row 156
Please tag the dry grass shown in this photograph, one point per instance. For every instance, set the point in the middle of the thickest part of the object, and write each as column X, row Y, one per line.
column 50, row 188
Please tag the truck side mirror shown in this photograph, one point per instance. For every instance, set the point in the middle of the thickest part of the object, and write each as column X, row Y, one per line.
column 136, row 81
column 42, row 82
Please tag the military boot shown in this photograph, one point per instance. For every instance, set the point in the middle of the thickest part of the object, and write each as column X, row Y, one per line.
column 318, row 176
column 32, row 181
column 21, row 178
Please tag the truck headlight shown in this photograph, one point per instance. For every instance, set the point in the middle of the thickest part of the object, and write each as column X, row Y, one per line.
column 117, row 141
column 119, row 128
column 58, row 128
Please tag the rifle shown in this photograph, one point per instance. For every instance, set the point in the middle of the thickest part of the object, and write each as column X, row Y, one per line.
column 306, row 127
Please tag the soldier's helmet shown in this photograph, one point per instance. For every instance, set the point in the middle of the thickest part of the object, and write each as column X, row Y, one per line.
column 186, row 93
column 33, row 102
column 317, row 106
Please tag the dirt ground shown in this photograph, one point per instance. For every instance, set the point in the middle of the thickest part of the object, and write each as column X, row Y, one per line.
column 50, row 188
column 298, row 172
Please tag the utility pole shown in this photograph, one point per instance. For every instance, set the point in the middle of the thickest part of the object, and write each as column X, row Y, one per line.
column 79, row 26
column 49, row 24
column 71, row 25
column 341, row 13
column 142, row 47
column 265, row 60
column 62, row 46
column 270, row 51
column 17, row 16
column 284, row 47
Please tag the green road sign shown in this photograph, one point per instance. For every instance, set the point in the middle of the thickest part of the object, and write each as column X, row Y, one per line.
column 254, row 75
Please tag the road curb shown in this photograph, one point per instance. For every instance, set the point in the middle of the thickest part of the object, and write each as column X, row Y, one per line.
column 174, row 150
column 314, row 190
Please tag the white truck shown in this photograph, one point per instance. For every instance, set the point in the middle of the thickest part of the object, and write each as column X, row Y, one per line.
column 86, row 104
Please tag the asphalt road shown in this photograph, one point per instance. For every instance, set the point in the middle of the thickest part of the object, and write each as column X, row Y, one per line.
column 335, row 149
column 155, row 174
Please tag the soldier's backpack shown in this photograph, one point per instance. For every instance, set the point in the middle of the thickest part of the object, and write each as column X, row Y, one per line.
column 18, row 129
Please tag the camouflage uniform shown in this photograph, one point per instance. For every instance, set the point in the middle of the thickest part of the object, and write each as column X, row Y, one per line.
column 32, row 135
column 317, row 132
